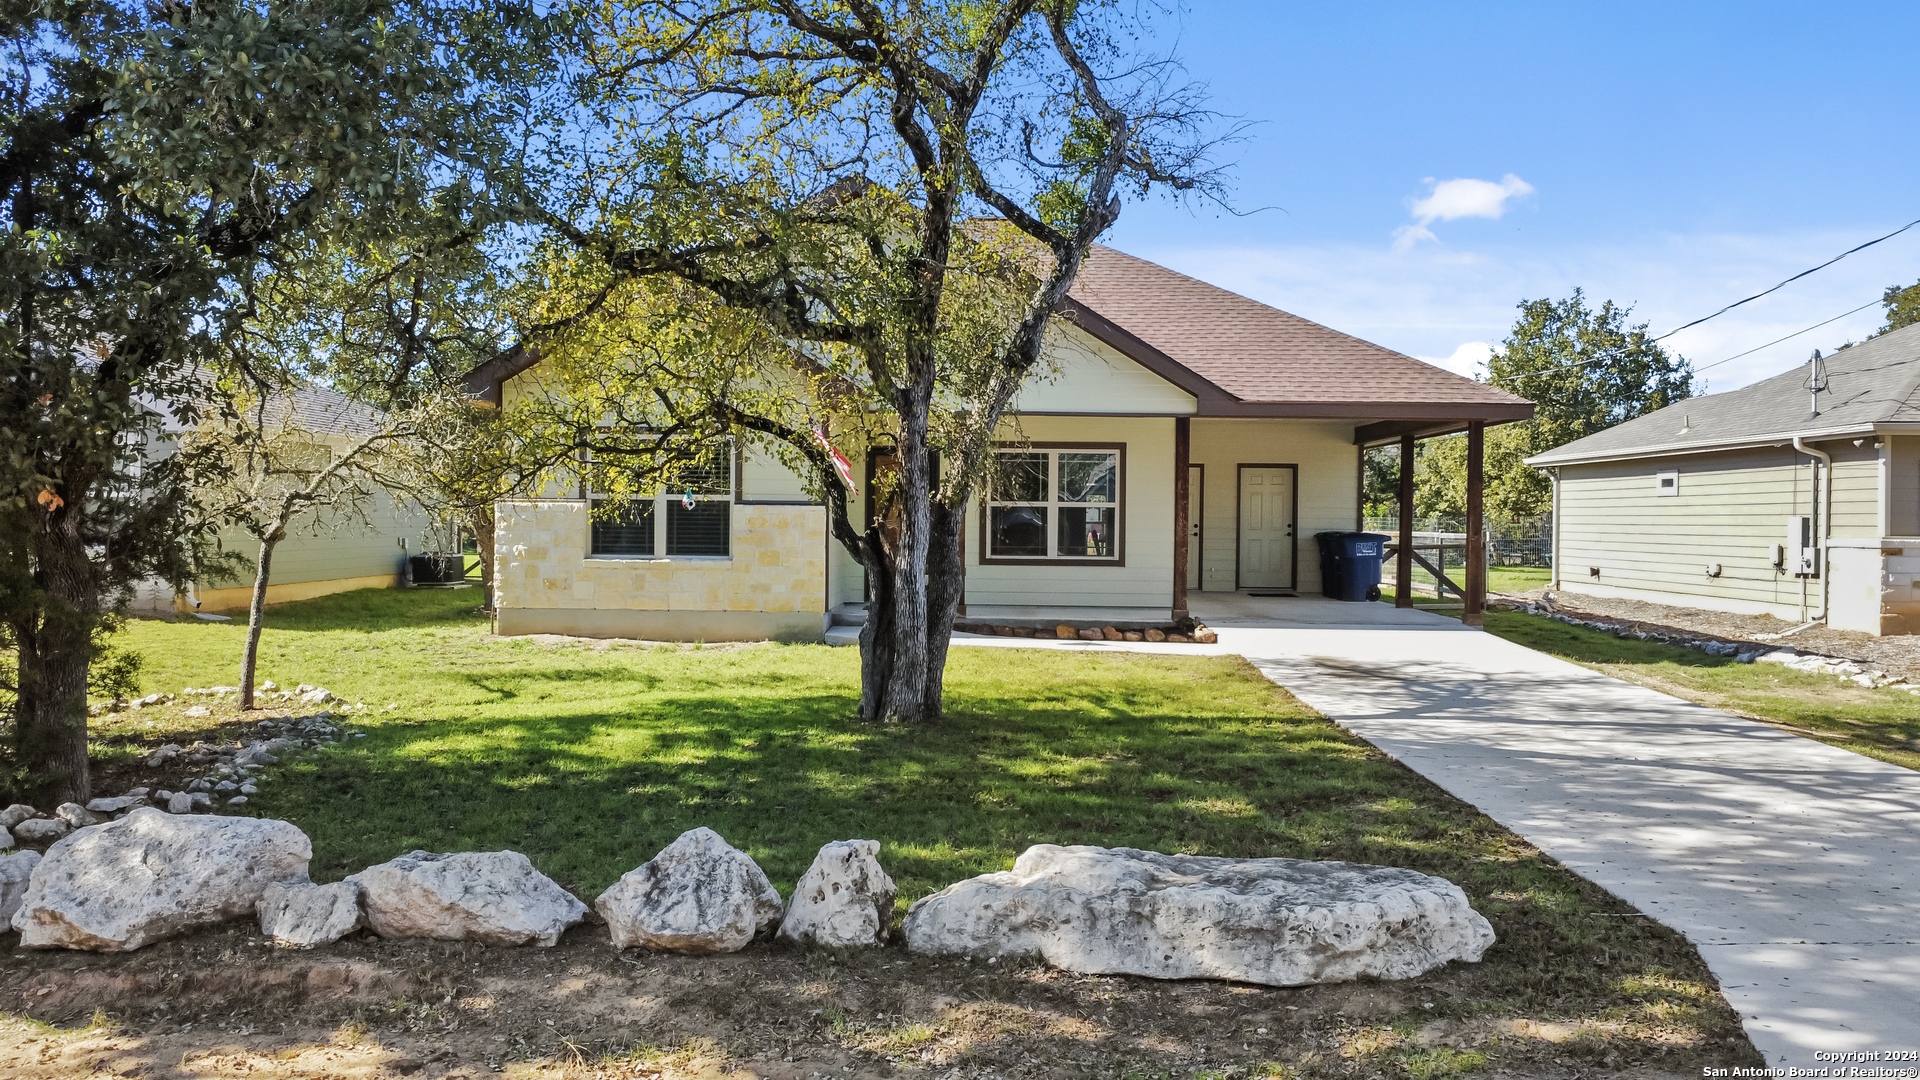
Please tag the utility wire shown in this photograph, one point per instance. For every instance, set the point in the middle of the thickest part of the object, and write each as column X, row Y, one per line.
column 1611, row 353
column 1790, row 280
column 1795, row 334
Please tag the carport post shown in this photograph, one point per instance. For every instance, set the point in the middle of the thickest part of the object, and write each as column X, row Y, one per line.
column 1403, row 559
column 1476, row 583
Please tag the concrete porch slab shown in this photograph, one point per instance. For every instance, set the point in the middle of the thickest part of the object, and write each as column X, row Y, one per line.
column 1304, row 612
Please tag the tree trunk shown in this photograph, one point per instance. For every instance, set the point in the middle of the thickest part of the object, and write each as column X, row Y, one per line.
column 55, row 651
column 877, row 639
column 946, row 581
column 256, row 614
column 480, row 520
column 905, row 694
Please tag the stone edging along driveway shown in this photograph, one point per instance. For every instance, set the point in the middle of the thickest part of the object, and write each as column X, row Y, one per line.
column 1793, row 866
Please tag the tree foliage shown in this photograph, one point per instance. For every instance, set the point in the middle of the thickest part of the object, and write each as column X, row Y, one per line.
column 266, row 469
column 156, row 160
column 1586, row 369
column 1902, row 306
column 793, row 190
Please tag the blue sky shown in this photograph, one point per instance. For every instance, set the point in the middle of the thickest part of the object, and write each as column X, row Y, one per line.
column 1671, row 156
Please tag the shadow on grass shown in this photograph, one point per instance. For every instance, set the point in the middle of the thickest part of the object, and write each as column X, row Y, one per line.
column 378, row 610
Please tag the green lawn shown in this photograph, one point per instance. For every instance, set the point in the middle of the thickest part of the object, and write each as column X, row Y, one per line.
column 589, row 757
column 1883, row 723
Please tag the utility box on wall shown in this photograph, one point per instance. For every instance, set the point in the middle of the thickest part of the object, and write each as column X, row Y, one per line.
column 1803, row 553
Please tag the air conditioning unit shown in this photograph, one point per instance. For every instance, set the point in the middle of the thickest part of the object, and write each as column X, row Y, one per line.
column 1803, row 554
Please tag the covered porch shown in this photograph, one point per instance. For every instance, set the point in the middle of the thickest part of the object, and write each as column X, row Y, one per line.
column 1203, row 512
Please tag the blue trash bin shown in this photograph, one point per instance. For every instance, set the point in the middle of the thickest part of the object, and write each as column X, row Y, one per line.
column 1350, row 564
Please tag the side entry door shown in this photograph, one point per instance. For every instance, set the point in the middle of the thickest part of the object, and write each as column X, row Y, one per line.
column 1266, row 527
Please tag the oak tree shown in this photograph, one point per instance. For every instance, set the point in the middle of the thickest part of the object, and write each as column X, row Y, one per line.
column 835, row 172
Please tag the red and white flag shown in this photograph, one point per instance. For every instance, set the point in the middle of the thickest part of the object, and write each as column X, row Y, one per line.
column 840, row 462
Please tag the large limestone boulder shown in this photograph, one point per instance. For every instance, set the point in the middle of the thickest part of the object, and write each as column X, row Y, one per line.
column 307, row 915
column 492, row 896
column 843, row 901
column 150, row 875
column 15, row 870
column 699, row 895
column 1278, row 922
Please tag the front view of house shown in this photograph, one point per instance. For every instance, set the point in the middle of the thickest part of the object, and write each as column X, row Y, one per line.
column 1190, row 441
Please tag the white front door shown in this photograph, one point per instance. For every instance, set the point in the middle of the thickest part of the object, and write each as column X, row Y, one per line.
column 1266, row 527
column 1196, row 479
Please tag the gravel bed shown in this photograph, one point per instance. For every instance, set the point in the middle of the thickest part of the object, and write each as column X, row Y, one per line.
column 1897, row 656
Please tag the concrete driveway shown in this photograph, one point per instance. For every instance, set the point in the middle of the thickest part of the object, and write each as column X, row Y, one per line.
column 1792, row 865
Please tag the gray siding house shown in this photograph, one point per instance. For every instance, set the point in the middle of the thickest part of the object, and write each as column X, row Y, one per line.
column 1797, row 496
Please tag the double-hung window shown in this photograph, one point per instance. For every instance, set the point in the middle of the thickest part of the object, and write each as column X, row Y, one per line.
column 1055, row 503
column 694, row 520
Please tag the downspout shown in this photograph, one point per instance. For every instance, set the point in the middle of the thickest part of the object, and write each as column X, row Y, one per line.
column 1824, row 530
column 1553, row 554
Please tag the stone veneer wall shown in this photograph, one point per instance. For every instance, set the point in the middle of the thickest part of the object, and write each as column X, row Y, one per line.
column 774, row 586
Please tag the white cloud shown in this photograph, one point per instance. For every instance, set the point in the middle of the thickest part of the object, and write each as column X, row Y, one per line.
column 1469, row 359
column 1451, row 200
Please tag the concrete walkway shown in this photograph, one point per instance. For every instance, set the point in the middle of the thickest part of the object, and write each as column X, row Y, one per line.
column 1793, row 866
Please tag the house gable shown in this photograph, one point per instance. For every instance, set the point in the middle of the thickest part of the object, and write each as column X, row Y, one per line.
column 1092, row 377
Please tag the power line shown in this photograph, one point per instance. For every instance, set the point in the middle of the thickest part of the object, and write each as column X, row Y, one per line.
column 1795, row 334
column 1611, row 353
column 1790, row 280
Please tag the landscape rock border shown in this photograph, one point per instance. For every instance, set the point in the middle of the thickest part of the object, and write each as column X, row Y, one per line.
column 1189, row 632
column 1124, row 911
column 1745, row 652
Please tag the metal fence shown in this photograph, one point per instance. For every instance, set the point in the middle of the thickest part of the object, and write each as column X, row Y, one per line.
column 1526, row 541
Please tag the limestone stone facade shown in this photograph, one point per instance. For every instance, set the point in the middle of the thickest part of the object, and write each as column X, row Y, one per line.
column 773, row 585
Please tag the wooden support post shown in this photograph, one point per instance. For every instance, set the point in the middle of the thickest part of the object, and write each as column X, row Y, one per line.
column 1403, row 561
column 1182, row 458
column 1476, row 568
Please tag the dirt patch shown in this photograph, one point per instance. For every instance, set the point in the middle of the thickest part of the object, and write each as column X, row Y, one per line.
column 225, row 1003
column 1897, row 656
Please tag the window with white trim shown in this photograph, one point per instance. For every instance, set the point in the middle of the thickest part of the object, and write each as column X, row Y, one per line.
column 1055, row 503
column 694, row 521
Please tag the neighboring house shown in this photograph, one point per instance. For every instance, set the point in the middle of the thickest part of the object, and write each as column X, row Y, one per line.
column 1772, row 499
column 1193, row 440
column 324, row 552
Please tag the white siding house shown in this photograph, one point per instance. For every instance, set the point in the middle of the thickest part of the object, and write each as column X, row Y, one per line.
column 1189, row 440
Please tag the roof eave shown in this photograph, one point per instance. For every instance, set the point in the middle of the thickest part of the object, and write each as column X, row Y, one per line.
column 1111, row 333
column 484, row 381
column 1211, row 400
column 1551, row 459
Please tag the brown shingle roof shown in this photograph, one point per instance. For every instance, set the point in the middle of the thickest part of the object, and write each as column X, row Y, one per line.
column 1262, row 356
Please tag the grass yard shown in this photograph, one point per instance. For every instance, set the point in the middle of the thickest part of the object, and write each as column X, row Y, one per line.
column 589, row 757
column 1882, row 723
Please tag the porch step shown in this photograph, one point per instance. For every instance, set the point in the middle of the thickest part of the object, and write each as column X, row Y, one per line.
column 843, row 635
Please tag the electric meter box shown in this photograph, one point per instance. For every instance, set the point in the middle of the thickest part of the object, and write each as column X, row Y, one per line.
column 1802, row 552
